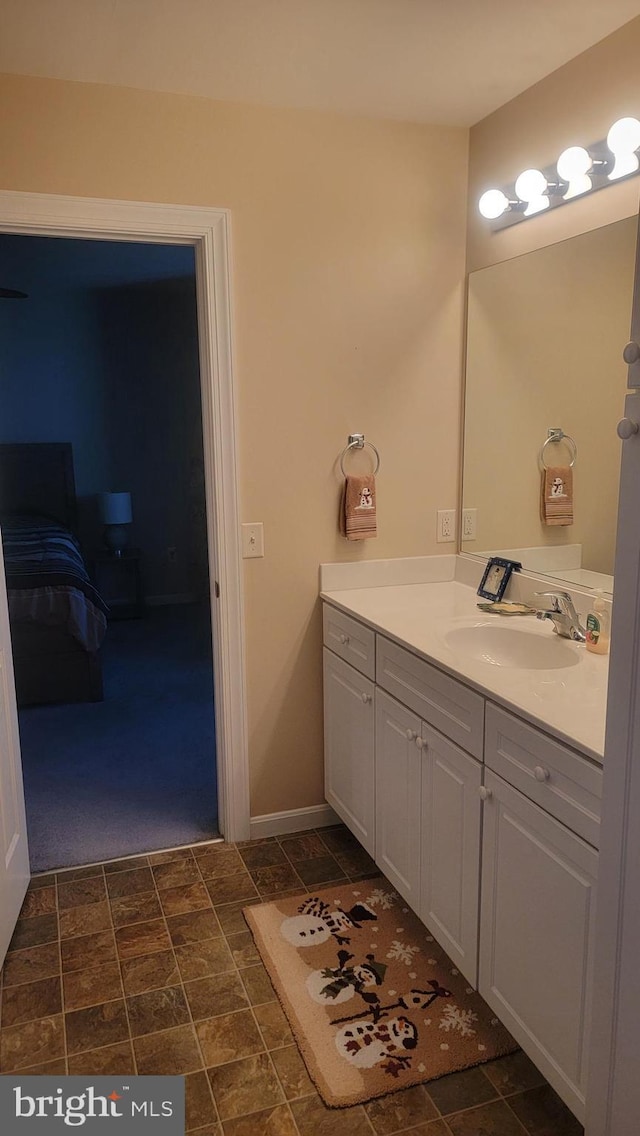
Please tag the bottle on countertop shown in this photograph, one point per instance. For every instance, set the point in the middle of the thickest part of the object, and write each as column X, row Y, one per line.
column 599, row 625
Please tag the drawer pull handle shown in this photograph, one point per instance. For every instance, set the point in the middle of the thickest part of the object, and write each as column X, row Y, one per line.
column 421, row 743
column 541, row 774
column 344, row 639
column 484, row 793
column 411, row 734
column 366, row 697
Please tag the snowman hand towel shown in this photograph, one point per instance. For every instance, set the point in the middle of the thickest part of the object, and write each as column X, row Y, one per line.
column 556, row 496
column 359, row 508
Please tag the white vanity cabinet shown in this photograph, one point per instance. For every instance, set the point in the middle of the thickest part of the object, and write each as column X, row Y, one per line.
column 486, row 825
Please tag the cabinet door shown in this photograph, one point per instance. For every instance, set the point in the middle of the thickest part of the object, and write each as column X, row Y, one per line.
column 398, row 769
column 451, row 810
column 538, row 893
column 349, row 775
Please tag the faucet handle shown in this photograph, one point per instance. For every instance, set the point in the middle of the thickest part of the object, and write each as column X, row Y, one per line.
column 557, row 598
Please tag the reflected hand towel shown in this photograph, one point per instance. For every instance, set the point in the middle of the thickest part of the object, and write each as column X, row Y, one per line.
column 556, row 498
column 359, row 508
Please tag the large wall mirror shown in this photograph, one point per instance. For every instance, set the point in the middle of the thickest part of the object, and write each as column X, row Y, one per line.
column 544, row 350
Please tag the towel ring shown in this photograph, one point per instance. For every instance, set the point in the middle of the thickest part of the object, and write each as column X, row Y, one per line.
column 357, row 442
column 556, row 434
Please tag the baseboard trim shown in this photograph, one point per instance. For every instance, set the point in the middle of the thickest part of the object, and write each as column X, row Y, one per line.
column 293, row 820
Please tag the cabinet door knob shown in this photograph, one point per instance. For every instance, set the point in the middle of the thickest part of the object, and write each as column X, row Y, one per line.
column 411, row 734
column 344, row 639
column 366, row 697
column 421, row 743
column 484, row 793
column 541, row 774
column 631, row 352
column 626, row 428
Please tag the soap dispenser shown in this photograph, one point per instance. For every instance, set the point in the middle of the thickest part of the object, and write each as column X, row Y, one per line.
column 599, row 625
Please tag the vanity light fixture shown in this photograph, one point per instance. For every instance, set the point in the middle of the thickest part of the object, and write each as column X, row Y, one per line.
column 579, row 170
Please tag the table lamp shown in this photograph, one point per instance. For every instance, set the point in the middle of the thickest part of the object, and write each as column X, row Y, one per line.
column 116, row 516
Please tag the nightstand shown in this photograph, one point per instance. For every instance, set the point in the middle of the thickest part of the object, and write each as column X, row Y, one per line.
column 118, row 580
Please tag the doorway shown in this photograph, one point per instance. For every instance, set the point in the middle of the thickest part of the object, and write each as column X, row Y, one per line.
column 205, row 230
column 101, row 357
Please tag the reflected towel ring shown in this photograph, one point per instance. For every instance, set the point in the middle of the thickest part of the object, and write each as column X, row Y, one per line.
column 357, row 442
column 558, row 435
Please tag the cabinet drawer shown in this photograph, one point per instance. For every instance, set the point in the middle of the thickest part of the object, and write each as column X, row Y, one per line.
column 439, row 700
column 351, row 640
column 559, row 780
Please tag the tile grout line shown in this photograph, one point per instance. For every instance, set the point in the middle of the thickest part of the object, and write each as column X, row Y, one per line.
column 62, row 1002
column 118, row 961
column 470, row 1108
column 238, row 971
column 280, row 839
column 250, row 1007
column 121, row 859
column 184, row 992
column 514, row 1113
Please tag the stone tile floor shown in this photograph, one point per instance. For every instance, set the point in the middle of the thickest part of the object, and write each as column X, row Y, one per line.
column 146, row 965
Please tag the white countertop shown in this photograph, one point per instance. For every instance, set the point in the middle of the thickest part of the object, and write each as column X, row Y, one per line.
column 569, row 702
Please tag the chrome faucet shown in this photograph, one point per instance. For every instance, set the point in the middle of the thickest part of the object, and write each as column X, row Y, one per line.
column 563, row 615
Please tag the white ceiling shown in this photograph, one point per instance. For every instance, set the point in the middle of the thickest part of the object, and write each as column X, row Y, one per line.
column 440, row 61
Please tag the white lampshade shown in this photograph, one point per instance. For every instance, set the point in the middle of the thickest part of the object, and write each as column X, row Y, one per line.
column 116, row 508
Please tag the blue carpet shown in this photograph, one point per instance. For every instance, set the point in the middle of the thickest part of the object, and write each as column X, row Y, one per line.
column 136, row 772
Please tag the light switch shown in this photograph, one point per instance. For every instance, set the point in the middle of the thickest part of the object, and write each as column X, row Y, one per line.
column 252, row 539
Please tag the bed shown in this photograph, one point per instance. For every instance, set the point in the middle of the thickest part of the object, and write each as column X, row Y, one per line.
column 57, row 617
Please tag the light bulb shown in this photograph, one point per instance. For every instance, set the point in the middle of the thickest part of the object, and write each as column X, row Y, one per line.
column 624, row 139
column 573, row 166
column 493, row 204
column 530, row 187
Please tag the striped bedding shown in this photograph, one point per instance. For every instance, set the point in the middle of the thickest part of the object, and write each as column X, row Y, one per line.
column 47, row 580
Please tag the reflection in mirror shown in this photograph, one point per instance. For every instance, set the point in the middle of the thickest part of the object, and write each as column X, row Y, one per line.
column 545, row 335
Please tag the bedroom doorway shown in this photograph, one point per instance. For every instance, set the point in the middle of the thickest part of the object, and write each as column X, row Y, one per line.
column 33, row 214
column 111, row 641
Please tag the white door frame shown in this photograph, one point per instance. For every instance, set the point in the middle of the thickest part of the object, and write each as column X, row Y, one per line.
column 208, row 231
column 613, row 1099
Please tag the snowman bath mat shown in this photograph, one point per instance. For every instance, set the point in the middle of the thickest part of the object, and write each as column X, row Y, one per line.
column 374, row 1003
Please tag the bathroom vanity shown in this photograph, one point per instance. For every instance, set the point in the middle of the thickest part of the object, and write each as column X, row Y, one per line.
column 467, row 760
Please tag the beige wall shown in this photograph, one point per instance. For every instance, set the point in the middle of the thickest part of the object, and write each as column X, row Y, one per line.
column 544, row 349
column 575, row 105
column 348, row 261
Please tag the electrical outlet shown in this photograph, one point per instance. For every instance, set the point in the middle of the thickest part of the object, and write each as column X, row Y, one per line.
column 446, row 530
column 252, row 539
column 171, row 554
column 469, row 523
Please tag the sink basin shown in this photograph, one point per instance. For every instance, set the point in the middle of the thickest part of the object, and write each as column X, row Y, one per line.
column 506, row 646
